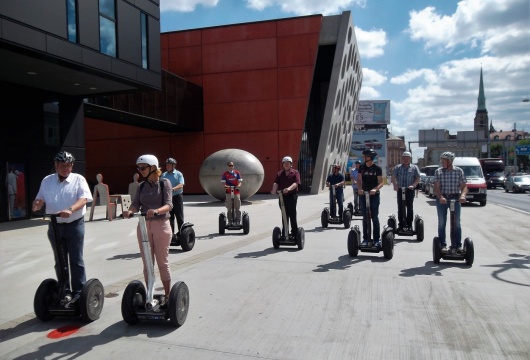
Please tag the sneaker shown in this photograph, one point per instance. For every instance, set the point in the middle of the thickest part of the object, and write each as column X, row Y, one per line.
column 292, row 237
column 74, row 300
column 460, row 250
column 377, row 244
column 163, row 300
column 444, row 248
column 364, row 243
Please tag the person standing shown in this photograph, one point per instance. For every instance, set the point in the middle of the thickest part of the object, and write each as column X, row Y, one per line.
column 176, row 179
column 449, row 183
column 370, row 179
column 354, row 172
column 66, row 193
column 336, row 180
column 11, row 190
column 287, row 181
column 153, row 197
column 405, row 175
column 232, row 178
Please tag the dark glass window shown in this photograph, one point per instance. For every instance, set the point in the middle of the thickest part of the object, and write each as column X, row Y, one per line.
column 107, row 27
column 143, row 21
column 52, row 135
column 71, row 19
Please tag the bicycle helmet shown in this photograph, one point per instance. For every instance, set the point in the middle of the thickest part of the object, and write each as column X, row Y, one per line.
column 407, row 153
column 357, row 162
column 147, row 159
column 447, row 155
column 64, row 156
column 287, row 158
column 370, row 152
column 171, row 161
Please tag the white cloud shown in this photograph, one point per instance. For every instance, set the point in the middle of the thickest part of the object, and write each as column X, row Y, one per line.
column 495, row 26
column 371, row 79
column 412, row 75
column 306, row 7
column 371, row 43
column 185, row 5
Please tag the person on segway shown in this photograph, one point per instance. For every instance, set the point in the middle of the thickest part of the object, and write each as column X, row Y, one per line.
column 66, row 193
column 232, row 178
column 153, row 197
column 176, row 179
column 449, row 183
column 370, row 179
column 287, row 181
column 354, row 172
column 336, row 179
column 405, row 175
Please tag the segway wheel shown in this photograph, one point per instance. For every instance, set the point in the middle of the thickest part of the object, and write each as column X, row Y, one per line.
column 470, row 251
column 246, row 224
column 436, row 250
column 419, row 229
column 92, row 299
column 353, row 243
column 179, row 302
column 276, row 235
column 187, row 238
column 47, row 294
column 133, row 297
column 300, row 238
column 391, row 222
column 388, row 244
column 346, row 218
column 222, row 223
column 324, row 218
column 350, row 207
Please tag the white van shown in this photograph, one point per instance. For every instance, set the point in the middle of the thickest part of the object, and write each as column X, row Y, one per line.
column 476, row 183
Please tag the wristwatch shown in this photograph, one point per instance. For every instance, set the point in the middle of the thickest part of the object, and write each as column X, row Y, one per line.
column 70, row 209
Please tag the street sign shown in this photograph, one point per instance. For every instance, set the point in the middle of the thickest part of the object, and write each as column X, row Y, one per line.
column 522, row 150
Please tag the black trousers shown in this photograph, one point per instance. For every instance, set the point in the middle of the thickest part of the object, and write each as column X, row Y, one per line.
column 289, row 201
column 177, row 212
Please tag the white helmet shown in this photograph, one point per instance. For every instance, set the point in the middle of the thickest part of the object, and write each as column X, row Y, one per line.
column 147, row 159
column 407, row 153
column 447, row 155
column 287, row 158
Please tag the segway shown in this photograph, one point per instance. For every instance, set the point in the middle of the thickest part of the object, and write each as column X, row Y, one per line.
column 326, row 218
column 281, row 236
column 186, row 238
column 51, row 298
column 418, row 221
column 138, row 305
column 352, row 211
column 468, row 251
column 245, row 219
column 354, row 237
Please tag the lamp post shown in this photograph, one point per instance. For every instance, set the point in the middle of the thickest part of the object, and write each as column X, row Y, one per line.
column 514, row 145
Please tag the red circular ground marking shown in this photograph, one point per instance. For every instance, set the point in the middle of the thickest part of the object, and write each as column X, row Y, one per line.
column 63, row 331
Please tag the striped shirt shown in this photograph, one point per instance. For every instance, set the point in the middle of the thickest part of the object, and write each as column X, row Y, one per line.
column 405, row 176
column 450, row 180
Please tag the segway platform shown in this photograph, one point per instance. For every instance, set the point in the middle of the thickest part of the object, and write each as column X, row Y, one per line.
column 326, row 218
column 51, row 299
column 355, row 243
column 352, row 212
column 281, row 238
column 417, row 230
column 186, row 239
column 225, row 225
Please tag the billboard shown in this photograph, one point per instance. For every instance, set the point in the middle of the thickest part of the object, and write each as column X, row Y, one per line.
column 370, row 139
column 373, row 112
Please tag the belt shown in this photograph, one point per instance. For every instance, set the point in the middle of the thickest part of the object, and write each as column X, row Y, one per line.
column 449, row 196
column 71, row 222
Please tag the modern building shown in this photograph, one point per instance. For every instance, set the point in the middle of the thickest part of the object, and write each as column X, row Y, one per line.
column 272, row 88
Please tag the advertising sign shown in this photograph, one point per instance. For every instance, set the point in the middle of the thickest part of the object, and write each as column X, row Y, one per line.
column 371, row 139
column 373, row 112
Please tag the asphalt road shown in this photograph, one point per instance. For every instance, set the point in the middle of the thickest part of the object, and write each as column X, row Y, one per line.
column 520, row 201
column 249, row 301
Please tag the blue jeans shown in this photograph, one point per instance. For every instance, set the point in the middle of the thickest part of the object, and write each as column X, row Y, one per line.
column 339, row 198
column 456, row 233
column 374, row 209
column 409, row 203
column 72, row 235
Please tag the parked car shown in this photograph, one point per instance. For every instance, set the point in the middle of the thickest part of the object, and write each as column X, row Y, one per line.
column 517, row 183
column 423, row 176
column 357, row 145
column 373, row 144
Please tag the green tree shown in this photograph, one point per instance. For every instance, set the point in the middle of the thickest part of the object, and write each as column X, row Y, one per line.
column 523, row 161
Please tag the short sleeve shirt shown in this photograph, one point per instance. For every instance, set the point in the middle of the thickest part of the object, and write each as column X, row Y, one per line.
column 175, row 178
column 335, row 179
column 450, row 180
column 369, row 176
column 231, row 178
column 405, row 176
column 284, row 181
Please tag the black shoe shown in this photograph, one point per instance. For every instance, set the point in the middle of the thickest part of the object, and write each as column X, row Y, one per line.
column 444, row 249
column 364, row 243
column 377, row 244
column 292, row 237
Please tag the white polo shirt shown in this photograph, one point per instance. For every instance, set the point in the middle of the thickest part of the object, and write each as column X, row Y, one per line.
column 61, row 195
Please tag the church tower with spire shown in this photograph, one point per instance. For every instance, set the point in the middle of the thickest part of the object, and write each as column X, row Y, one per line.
column 481, row 121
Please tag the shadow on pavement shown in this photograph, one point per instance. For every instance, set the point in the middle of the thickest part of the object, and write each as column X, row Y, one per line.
column 518, row 261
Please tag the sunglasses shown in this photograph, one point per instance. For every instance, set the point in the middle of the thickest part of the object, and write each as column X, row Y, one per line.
column 231, row 165
column 142, row 168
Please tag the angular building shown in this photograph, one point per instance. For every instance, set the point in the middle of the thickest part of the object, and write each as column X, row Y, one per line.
column 272, row 88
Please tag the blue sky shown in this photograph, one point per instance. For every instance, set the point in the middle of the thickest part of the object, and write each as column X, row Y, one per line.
column 424, row 56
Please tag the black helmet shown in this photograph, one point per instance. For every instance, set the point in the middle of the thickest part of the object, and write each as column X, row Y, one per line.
column 357, row 162
column 171, row 161
column 64, row 156
column 370, row 152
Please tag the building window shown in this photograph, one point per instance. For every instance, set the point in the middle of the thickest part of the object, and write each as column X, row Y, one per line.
column 71, row 20
column 143, row 24
column 52, row 136
column 107, row 27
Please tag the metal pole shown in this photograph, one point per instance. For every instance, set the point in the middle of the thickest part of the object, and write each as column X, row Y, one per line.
column 514, row 145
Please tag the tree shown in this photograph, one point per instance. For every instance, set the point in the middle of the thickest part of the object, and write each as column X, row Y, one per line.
column 523, row 160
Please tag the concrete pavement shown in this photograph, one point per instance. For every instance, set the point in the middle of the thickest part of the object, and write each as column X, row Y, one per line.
column 248, row 300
